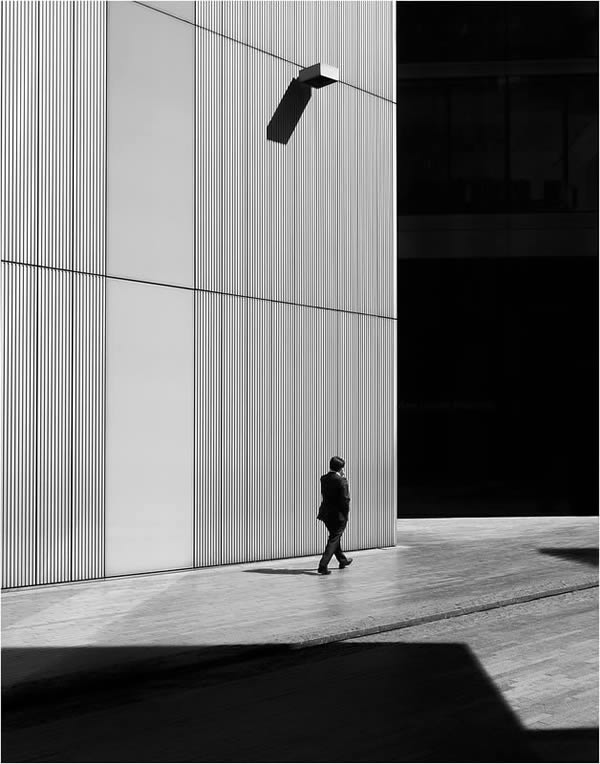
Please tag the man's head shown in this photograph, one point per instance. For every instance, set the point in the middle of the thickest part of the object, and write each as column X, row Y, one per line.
column 336, row 463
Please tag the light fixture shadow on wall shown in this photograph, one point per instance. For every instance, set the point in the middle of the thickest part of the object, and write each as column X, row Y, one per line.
column 296, row 98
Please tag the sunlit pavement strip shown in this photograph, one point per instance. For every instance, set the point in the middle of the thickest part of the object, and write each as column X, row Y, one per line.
column 440, row 569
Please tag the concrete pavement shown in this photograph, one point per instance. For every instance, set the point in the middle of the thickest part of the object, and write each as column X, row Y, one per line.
column 440, row 568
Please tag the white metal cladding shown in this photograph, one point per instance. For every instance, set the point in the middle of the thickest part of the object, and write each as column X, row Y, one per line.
column 53, row 140
column 53, row 133
column 54, row 426
column 19, row 22
column 150, row 162
column 357, row 37
column 19, row 418
column 311, row 222
column 53, row 467
column 280, row 389
column 55, row 137
column 87, row 529
column 183, row 9
column 89, row 193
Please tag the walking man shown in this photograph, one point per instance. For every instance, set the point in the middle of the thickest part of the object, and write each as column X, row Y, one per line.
column 334, row 512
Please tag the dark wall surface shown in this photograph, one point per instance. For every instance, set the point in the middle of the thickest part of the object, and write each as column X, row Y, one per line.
column 498, row 386
column 497, row 340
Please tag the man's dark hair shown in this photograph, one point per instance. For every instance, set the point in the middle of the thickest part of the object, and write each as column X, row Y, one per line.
column 336, row 463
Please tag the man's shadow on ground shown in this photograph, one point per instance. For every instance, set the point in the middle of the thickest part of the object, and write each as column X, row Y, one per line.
column 285, row 571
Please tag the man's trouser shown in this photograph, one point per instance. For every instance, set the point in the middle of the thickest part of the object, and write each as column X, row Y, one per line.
column 336, row 528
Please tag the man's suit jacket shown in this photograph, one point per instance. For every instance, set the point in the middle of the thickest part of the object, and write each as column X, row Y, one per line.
column 336, row 497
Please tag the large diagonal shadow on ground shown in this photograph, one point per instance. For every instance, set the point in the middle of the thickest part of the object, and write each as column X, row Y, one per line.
column 587, row 555
column 339, row 702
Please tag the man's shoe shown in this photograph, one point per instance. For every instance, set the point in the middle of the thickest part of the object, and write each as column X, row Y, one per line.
column 345, row 564
column 323, row 572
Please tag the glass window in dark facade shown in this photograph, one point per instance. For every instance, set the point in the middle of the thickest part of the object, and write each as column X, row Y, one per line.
column 537, row 162
column 582, row 140
column 423, row 156
column 477, row 137
column 467, row 145
column 496, row 31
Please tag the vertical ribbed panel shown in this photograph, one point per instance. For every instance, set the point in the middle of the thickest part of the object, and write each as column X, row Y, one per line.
column 53, row 183
column 210, row 14
column 316, row 419
column 54, row 426
column 55, row 135
column 310, row 222
column 233, row 521
column 19, row 417
column 265, row 518
column 90, row 136
column 235, row 168
column 357, row 37
column 271, row 445
column 18, row 48
column 208, row 405
column 88, row 426
column 209, row 161
column 280, row 389
column 269, row 198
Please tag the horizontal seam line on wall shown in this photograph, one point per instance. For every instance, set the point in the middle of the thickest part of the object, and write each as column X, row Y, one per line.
column 253, row 47
column 193, row 289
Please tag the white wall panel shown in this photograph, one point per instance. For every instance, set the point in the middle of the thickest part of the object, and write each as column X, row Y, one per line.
column 316, row 420
column 183, row 9
column 150, row 145
column 89, row 146
column 269, row 196
column 271, row 445
column 19, row 107
column 55, row 139
column 88, row 412
column 234, row 430
column 207, row 394
column 19, row 405
column 357, row 37
column 53, row 136
column 309, row 222
column 54, row 425
column 54, row 192
column 208, row 468
column 149, row 428
column 280, row 389
column 209, row 15
column 209, row 162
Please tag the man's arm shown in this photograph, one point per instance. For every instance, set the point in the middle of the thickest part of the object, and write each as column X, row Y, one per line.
column 345, row 491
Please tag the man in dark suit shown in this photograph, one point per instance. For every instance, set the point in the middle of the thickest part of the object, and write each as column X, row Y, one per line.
column 334, row 513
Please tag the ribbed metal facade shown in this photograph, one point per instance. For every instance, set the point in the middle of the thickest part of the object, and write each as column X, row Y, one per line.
column 292, row 250
column 53, row 231
column 357, row 37
column 310, row 222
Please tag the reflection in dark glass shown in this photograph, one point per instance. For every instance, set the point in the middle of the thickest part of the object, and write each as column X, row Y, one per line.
column 583, row 143
column 450, row 31
column 423, row 161
column 537, row 123
column 451, row 146
column 453, row 136
column 496, row 31
column 550, row 30
column 477, row 157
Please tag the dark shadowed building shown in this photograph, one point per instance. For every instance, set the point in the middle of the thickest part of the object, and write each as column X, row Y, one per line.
column 497, row 246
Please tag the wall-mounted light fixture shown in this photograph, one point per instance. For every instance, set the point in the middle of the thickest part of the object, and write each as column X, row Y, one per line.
column 319, row 75
column 296, row 98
